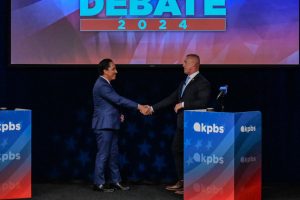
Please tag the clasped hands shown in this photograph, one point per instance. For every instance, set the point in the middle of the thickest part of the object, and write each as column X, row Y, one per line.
column 147, row 110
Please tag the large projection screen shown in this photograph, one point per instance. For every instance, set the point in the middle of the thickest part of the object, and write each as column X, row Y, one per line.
column 257, row 32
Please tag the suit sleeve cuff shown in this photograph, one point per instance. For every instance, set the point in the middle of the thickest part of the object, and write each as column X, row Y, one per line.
column 151, row 109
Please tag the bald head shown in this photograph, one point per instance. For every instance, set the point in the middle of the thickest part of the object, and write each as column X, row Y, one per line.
column 194, row 58
column 191, row 64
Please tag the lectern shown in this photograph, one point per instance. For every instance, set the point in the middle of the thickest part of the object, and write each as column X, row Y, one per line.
column 222, row 155
column 15, row 154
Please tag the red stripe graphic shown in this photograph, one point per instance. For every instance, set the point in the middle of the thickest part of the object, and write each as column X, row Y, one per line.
column 154, row 24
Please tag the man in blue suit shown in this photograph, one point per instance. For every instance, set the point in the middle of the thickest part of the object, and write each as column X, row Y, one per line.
column 106, row 123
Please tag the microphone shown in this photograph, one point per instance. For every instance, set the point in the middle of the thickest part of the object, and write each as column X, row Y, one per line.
column 223, row 91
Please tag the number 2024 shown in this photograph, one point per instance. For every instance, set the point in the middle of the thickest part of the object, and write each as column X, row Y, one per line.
column 142, row 24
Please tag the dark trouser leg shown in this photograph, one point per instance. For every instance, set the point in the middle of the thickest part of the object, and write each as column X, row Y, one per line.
column 114, row 159
column 104, row 140
column 177, row 149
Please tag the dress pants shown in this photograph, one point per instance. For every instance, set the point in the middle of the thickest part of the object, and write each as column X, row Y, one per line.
column 107, row 157
column 177, row 149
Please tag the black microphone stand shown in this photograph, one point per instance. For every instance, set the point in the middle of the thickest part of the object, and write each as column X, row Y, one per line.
column 222, row 103
column 220, row 100
column 221, row 95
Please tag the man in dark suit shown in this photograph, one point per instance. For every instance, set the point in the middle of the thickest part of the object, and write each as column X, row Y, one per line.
column 193, row 93
column 106, row 123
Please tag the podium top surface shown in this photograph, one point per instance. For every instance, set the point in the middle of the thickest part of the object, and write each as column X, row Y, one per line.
column 204, row 111
column 15, row 110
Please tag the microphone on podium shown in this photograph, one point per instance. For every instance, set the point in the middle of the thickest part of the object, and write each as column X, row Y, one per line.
column 223, row 91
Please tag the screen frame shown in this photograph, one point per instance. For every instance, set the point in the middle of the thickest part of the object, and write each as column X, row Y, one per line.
column 8, row 39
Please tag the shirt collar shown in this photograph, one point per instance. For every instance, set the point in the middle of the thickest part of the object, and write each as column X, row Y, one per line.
column 191, row 76
column 105, row 79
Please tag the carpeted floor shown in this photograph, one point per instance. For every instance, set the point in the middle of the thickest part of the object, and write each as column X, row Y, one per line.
column 84, row 191
column 281, row 192
column 79, row 191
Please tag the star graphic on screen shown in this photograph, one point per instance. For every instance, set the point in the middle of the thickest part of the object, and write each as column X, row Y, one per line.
column 54, row 173
column 144, row 148
column 82, row 115
column 198, row 144
column 168, row 130
column 70, row 144
column 151, row 134
column 131, row 129
column 149, row 120
column 4, row 143
column 83, row 157
column 123, row 160
column 142, row 167
column 78, row 130
column 159, row 162
column 209, row 145
column 187, row 142
column 133, row 177
column 189, row 161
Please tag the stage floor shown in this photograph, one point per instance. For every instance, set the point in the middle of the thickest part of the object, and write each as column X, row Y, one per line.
column 79, row 191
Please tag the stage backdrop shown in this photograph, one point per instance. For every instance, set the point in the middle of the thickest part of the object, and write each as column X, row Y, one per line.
column 254, row 32
column 64, row 147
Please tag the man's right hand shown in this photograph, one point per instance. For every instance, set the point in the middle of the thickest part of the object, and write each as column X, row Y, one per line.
column 145, row 109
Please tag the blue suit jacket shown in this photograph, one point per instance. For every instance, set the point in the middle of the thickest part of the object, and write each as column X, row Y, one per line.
column 106, row 106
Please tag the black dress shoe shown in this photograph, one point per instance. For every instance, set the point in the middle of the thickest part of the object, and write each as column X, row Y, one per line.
column 180, row 192
column 101, row 188
column 118, row 186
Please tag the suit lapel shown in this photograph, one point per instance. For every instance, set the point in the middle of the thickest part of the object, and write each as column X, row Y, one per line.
column 190, row 83
column 104, row 81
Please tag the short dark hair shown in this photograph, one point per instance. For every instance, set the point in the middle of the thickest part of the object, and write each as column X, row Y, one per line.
column 195, row 56
column 104, row 65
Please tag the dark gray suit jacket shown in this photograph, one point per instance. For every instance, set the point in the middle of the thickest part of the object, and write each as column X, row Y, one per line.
column 195, row 96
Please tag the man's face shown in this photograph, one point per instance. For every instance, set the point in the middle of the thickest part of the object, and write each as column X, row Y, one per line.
column 111, row 72
column 189, row 65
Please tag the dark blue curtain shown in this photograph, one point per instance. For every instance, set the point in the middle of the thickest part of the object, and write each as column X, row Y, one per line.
column 64, row 146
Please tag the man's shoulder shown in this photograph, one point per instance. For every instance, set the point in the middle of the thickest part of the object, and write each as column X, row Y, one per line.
column 101, row 81
column 100, row 85
column 200, row 78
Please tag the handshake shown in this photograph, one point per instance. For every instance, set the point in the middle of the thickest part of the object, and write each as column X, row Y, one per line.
column 148, row 110
column 145, row 109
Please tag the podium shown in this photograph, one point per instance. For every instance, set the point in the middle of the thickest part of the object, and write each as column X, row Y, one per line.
column 222, row 155
column 15, row 154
